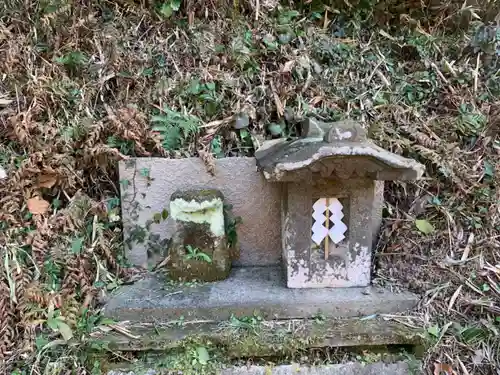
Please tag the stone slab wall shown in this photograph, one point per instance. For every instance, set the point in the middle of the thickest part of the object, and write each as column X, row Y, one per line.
column 350, row 265
column 147, row 184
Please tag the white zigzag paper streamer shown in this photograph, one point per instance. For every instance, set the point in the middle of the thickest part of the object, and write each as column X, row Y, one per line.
column 319, row 229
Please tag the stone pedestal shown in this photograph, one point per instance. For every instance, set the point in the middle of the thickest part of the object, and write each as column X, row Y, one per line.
column 248, row 291
column 322, row 203
column 198, row 249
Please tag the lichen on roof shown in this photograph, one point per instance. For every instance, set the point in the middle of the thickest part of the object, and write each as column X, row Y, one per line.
column 334, row 150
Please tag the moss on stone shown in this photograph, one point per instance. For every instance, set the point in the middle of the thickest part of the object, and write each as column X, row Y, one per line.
column 266, row 343
column 274, row 340
column 198, row 249
column 197, row 195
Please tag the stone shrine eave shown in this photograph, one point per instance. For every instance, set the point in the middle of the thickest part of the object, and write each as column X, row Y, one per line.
column 306, row 159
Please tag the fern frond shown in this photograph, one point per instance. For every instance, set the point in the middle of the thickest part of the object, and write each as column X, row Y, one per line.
column 175, row 127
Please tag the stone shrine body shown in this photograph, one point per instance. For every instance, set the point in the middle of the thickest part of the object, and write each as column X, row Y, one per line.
column 332, row 182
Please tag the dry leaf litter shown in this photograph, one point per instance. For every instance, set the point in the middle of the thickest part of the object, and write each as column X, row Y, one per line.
column 85, row 84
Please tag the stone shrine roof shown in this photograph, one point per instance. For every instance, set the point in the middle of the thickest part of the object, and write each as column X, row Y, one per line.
column 332, row 150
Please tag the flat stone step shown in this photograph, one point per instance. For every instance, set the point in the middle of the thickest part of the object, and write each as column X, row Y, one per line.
column 240, row 339
column 248, row 291
column 398, row 368
column 354, row 368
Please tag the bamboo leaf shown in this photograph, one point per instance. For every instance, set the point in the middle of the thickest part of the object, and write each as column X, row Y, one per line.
column 203, row 356
column 64, row 330
column 424, row 226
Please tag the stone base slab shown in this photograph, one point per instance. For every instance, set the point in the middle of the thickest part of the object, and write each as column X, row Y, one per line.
column 248, row 291
column 354, row 368
column 379, row 368
column 269, row 338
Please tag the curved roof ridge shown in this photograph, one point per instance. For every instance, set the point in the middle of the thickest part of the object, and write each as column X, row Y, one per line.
column 343, row 152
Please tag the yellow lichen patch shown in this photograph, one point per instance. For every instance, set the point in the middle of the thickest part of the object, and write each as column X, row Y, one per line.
column 209, row 212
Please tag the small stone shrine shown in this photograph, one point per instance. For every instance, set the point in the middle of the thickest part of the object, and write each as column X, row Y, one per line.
column 310, row 208
column 332, row 183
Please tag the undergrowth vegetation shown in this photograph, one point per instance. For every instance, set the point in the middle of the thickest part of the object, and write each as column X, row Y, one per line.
column 86, row 84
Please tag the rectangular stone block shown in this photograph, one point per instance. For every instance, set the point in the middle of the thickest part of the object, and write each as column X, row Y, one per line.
column 352, row 368
column 248, row 291
column 348, row 263
column 310, row 333
column 146, row 187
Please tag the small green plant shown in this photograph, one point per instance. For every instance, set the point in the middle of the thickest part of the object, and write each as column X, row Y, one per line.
column 52, row 272
column 434, row 331
column 319, row 318
column 73, row 60
column 178, row 322
column 369, row 357
column 270, row 42
column 175, row 127
column 146, row 173
column 167, row 8
column 244, row 323
column 138, row 234
column 126, row 147
column 216, row 147
column 242, row 51
column 205, row 93
column 470, row 122
column 199, row 355
column 57, row 323
column 197, row 254
column 195, row 356
column 231, row 223
column 160, row 216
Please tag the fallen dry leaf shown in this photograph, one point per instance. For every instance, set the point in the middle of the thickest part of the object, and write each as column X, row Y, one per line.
column 443, row 369
column 280, row 108
column 38, row 206
column 47, row 180
column 287, row 68
column 315, row 100
column 478, row 357
column 454, row 297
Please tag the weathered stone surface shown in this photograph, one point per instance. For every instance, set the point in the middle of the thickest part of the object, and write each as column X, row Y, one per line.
column 265, row 339
column 147, row 184
column 268, row 146
column 349, row 263
column 379, row 368
column 333, row 150
column 332, row 162
column 198, row 249
column 343, row 131
column 377, row 207
column 299, row 161
column 248, row 290
column 313, row 128
column 141, row 372
column 353, row 368
column 346, row 130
